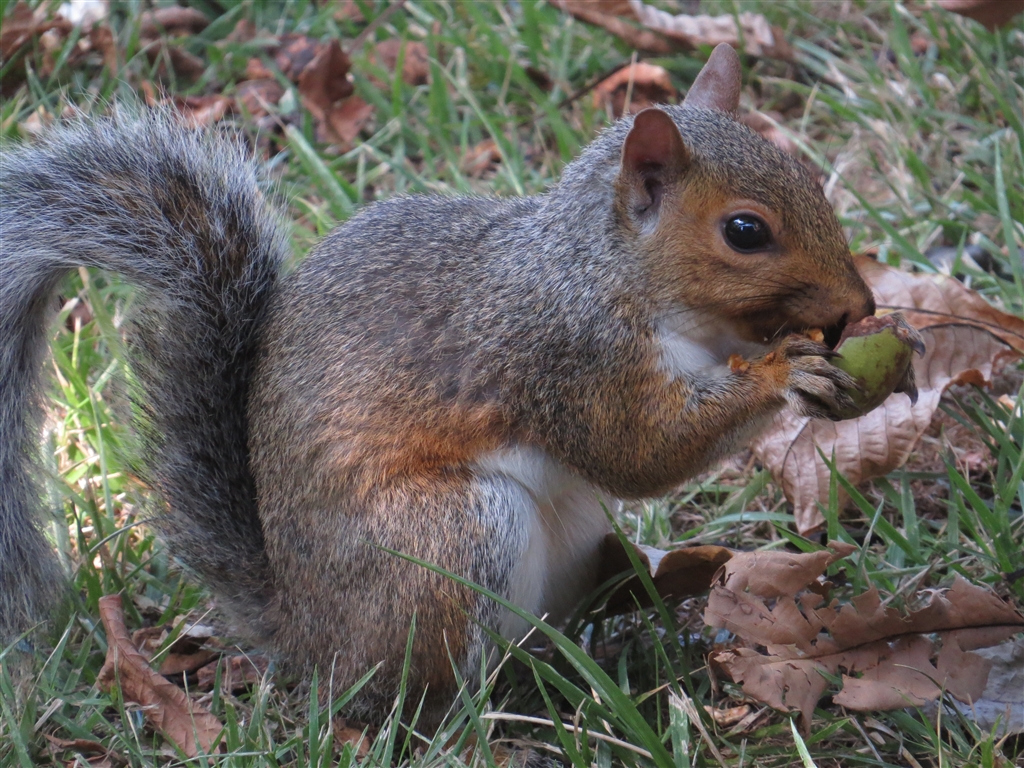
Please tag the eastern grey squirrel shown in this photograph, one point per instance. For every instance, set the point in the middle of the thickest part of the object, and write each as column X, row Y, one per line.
column 460, row 379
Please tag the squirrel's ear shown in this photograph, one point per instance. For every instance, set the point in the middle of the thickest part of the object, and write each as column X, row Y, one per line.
column 653, row 154
column 718, row 84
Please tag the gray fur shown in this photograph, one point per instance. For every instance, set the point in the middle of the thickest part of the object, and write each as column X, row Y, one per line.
column 182, row 217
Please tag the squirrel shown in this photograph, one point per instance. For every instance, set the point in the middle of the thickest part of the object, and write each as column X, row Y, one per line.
column 466, row 380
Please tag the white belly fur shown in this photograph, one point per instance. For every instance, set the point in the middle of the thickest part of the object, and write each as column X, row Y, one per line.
column 567, row 523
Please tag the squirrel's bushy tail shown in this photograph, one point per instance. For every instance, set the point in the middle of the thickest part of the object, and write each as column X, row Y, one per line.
column 181, row 215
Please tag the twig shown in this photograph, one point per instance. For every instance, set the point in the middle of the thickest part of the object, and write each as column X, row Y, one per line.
column 568, row 727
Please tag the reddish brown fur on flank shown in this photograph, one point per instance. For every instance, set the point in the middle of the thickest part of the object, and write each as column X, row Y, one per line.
column 382, row 447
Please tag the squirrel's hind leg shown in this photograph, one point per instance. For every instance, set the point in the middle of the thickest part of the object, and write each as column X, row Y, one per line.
column 347, row 604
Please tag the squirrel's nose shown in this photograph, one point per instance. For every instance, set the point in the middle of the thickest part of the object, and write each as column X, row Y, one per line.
column 869, row 307
column 835, row 331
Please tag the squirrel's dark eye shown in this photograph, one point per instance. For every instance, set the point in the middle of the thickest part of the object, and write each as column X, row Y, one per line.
column 747, row 232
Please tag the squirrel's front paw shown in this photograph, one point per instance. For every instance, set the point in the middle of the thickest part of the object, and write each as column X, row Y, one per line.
column 814, row 386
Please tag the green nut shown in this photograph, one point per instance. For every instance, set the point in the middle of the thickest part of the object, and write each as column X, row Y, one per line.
column 877, row 352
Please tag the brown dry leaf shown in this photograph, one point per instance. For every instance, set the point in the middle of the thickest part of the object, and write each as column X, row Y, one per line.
column 204, row 111
column 608, row 15
column 887, row 660
column 328, row 95
column 185, row 65
column 991, row 13
column 22, row 24
column 354, row 734
column 676, row 574
column 173, row 21
column 773, row 574
column 609, row 7
column 1001, row 705
column 481, row 159
column 101, row 39
column 166, row 706
column 293, row 54
column 255, row 69
column 927, row 300
column 184, row 663
column 662, row 33
column 346, row 120
column 238, row 673
column 86, row 746
column 324, row 81
column 258, row 96
column 415, row 66
column 149, row 640
column 966, row 340
column 645, row 85
column 753, row 35
column 244, row 32
column 347, row 10
column 724, row 718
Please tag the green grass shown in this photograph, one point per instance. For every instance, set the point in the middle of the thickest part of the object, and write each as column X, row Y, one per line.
column 918, row 149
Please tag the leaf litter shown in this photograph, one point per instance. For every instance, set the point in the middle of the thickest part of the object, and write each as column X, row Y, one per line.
column 191, row 727
column 889, row 659
column 791, row 640
column 967, row 341
column 646, row 28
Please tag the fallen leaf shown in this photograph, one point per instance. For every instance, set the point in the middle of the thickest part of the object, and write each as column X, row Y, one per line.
column 321, row 72
column 991, row 13
column 415, row 66
column 174, row 664
column 204, row 111
column 353, row 734
column 258, row 96
column 348, row 10
column 237, row 672
column 101, row 39
column 644, row 84
column 87, row 746
column 675, row 574
column 244, row 32
column 635, row 37
column 173, row 21
column 345, row 121
column 189, row 726
column 255, row 69
column 664, row 33
column 149, row 640
column 729, row 716
column 324, row 81
column 927, row 300
column 22, row 24
column 887, row 661
column 610, row 7
column 183, row 64
column 481, row 159
column 748, row 32
column 295, row 53
column 966, row 340
column 773, row 574
column 1001, row 704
